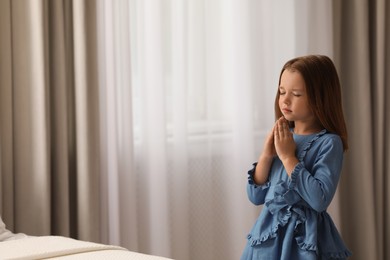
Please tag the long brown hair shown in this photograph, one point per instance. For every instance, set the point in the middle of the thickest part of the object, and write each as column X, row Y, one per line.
column 323, row 90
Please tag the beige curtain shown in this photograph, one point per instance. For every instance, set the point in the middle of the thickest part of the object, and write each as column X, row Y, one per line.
column 49, row 179
column 363, row 42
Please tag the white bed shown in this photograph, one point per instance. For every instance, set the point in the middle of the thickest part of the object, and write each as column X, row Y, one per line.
column 57, row 247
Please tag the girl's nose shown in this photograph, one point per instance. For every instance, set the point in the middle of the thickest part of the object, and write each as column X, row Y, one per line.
column 286, row 100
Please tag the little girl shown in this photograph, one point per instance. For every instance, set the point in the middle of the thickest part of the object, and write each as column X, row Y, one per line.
column 297, row 173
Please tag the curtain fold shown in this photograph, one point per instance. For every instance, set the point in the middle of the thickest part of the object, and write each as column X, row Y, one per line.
column 119, row 221
column 6, row 134
column 180, row 227
column 61, row 117
column 29, row 118
column 86, row 119
column 152, row 93
column 362, row 43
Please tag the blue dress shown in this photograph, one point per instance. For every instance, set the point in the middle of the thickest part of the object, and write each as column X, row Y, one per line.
column 293, row 223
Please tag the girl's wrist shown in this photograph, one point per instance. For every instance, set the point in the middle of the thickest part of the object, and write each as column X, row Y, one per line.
column 289, row 164
column 266, row 157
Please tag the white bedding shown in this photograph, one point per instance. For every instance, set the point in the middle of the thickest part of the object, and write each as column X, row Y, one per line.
column 57, row 247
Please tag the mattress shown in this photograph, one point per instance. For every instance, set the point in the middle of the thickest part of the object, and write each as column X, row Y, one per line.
column 58, row 247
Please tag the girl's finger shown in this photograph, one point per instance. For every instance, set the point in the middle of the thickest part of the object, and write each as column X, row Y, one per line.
column 276, row 131
column 285, row 128
column 281, row 128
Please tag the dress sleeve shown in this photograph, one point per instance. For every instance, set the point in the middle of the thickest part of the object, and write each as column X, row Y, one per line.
column 256, row 193
column 318, row 187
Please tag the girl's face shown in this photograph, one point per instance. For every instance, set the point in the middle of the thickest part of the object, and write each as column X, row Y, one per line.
column 293, row 101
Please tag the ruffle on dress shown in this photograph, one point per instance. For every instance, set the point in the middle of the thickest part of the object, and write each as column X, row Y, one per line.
column 251, row 172
column 312, row 231
column 307, row 147
column 282, row 208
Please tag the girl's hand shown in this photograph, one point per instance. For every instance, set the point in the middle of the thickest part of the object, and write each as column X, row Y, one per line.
column 284, row 144
column 269, row 145
column 265, row 160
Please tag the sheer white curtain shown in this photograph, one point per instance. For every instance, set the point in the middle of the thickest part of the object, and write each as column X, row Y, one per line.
column 187, row 92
